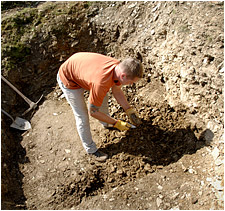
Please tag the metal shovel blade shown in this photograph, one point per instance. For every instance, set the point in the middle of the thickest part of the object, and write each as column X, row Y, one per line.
column 21, row 124
column 18, row 123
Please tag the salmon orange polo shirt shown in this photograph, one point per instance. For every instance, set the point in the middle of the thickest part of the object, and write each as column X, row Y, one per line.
column 91, row 71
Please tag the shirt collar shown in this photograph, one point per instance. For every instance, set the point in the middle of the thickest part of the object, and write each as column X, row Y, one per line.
column 117, row 82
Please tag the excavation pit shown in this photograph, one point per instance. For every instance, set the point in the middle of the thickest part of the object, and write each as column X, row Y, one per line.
column 158, row 165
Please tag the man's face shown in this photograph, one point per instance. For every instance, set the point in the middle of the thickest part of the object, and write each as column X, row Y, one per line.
column 128, row 81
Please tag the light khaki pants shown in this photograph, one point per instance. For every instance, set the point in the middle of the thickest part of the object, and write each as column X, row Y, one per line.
column 75, row 98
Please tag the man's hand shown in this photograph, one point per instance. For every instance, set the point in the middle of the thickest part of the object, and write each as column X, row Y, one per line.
column 133, row 116
column 122, row 125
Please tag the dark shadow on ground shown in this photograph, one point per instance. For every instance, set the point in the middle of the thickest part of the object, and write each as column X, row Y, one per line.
column 12, row 153
column 156, row 146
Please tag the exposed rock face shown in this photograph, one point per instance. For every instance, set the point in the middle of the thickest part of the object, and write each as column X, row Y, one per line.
column 176, row 47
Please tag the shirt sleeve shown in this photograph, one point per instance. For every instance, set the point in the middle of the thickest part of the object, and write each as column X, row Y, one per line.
column 97, row 94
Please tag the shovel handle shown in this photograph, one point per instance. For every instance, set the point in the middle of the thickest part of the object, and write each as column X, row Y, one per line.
column 15, row 89
column 4, row 112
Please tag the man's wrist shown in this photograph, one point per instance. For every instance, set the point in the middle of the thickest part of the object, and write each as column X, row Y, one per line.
column 129, row 110
column 115, row 122
column 129, row 107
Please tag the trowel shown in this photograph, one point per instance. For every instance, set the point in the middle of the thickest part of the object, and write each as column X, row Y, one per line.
column 18, row 123
column 132, row 126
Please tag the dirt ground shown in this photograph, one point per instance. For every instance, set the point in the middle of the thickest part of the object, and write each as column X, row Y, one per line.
column 159, row 165
column 173, row 160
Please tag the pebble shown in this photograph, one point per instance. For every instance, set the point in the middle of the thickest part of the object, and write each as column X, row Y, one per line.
column 220, row 196
column 194, row 200
column 192, row 171
column 161, row 196
column 112, row 199
column 222, row 70
column 112, row 169
column 218, row 185
column 208, row 135
column 219, row 162
column 119, row 171
column 175, row 208
column 67, row 151
column 132, row 5
column 208, row 179
column 110, row 180
column 62, row 96
column 157, row 7
column 215, row 153
column 125, row 196
column 175, row 196
column 158, row 201
column 147, row 167
column 160, row 187
column 42, row 161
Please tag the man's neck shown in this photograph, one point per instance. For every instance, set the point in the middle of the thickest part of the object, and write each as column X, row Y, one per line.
column 116, row 76
column 116, row 73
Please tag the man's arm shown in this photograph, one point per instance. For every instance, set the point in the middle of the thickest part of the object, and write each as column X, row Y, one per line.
column 120, row 97
column 94, row 112
column 122, row 100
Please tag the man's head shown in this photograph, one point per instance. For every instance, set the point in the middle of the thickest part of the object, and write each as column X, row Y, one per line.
column 131, row 71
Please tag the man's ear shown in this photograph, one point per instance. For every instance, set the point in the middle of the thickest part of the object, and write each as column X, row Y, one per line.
column 123, row 75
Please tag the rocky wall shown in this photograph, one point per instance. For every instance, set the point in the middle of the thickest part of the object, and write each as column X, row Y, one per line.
column 186, row 53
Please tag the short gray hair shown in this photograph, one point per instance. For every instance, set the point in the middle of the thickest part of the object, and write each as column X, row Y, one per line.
column 132, row 67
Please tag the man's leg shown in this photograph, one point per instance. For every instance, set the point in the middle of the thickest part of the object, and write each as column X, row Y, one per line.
column 75, row 97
